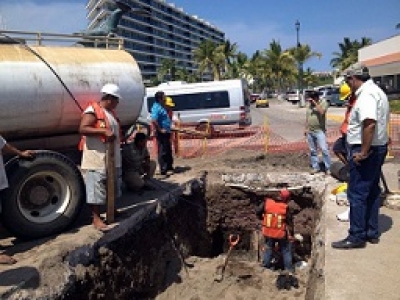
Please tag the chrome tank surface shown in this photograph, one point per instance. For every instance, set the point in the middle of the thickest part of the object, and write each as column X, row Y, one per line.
column 35, row 104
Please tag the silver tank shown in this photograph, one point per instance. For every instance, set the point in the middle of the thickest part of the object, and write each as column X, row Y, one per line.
column 34, row 103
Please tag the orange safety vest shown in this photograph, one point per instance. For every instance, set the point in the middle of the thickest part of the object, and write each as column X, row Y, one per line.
column 101, row 122
column 274, row 222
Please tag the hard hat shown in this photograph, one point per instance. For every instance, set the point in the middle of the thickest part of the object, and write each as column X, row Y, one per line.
column 169, row 102
column 345, row 91
column 284, row 193
column 111, row 89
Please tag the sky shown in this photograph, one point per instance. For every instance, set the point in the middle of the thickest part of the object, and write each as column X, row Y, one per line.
column 251, row 24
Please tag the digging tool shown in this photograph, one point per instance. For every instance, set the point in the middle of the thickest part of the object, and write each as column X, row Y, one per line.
column 233, row 240
column 110, row 183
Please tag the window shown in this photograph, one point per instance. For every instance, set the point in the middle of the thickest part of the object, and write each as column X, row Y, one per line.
column 219, row 99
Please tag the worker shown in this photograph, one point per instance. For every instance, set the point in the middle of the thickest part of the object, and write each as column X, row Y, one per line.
column 137, row 168
column 368, row 138
column 169, row 105
column 277, row 228
column 162, row 130
column 340, row 147
column 99, row 126
column 8, row 148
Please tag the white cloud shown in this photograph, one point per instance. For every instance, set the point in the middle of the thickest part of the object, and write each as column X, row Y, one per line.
column 54, row 17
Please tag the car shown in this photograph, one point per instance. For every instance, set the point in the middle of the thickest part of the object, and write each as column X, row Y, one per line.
column 254, row 97
column 262, row 101
column 293, row 96
column 332, row 96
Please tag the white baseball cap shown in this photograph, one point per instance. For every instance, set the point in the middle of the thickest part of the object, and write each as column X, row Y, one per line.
column 111, row 89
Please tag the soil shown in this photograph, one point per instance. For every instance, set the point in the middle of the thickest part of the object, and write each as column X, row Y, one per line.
column 228, row 211
column 232, row 211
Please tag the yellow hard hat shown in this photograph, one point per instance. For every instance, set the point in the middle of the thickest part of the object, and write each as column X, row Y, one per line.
column 345, row 91
column 169, row 102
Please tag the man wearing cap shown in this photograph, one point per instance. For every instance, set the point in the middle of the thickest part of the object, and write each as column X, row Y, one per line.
column 99, row 126
column 162, row 127
column 367, row 137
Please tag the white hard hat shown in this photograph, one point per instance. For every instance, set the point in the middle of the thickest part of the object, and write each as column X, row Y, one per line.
column 111, row 89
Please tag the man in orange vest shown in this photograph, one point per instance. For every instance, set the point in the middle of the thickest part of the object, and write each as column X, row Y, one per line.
column 99, row 125
column 277, row 228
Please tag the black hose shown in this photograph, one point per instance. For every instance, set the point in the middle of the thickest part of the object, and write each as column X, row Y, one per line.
column 48, row 65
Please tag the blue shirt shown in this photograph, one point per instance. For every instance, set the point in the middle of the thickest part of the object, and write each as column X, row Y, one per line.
column 160, row 115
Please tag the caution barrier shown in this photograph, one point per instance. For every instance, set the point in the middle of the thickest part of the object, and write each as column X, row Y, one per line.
column 194, row 141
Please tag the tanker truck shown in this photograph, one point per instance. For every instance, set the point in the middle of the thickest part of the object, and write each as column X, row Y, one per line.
column 44, row 89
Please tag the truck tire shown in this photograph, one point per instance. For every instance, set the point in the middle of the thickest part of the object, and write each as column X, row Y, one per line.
column 44, row 197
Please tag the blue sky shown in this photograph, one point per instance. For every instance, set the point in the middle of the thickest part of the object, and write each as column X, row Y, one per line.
column 251, row 24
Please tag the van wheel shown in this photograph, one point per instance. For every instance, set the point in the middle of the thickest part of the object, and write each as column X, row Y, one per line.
column 45, row 195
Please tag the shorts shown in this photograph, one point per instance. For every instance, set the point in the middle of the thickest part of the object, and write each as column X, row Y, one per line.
column 96, row 186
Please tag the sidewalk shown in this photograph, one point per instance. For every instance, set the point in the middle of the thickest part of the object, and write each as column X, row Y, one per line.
column 369, row 273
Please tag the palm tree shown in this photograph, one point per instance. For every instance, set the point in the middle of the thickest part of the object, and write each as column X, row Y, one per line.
column 398, row 26
column 209, row 58
column 229, row 51
column 279, row 64
column 303, row 53
column 168, row 67
column 348, row 53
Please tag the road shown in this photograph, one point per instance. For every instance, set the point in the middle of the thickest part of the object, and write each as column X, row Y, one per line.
column 287, row 120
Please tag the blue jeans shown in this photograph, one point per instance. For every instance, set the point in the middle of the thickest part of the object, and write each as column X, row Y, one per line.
column 285, row 247
column 364, row 193
column 314, row 139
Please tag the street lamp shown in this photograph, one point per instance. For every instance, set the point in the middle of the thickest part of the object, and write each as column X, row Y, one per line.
column 300, row 66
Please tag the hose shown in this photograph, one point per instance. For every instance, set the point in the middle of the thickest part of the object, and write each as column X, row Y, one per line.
column 47, row 64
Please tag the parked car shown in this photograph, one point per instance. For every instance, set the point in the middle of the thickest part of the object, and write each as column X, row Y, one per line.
column 254, row 97
column 293, row 96
column 332, row 96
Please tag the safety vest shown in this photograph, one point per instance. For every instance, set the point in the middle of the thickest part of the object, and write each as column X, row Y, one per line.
column 274, row 222
column 101, row 122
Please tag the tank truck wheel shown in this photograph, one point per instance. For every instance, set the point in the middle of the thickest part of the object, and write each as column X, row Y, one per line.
column 45, row 195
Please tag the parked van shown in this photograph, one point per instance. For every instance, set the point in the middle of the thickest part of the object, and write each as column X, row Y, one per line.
column 218, row 102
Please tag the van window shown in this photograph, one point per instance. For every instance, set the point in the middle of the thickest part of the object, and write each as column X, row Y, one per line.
column 219, row 99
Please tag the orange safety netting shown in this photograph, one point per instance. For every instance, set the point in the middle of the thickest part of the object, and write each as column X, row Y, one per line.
column 258, row 138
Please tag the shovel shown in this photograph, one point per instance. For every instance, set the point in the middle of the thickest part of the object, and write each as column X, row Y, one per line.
column 233, row 240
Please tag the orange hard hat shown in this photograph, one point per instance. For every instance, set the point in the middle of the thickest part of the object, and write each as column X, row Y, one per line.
column 284, row 193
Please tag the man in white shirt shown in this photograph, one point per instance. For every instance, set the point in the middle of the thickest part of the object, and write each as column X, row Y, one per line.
column 6, row 147
column 367, row 137
column 99, row 126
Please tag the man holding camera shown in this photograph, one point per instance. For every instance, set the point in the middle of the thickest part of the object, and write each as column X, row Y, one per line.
column 315, row 131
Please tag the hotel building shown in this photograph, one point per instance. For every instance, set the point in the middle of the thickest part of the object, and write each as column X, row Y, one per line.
column 167, row 33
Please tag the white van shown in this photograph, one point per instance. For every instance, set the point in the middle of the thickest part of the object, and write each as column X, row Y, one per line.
column 218, row 102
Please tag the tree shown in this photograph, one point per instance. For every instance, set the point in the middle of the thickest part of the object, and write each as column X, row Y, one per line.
column 209, row 58
column 279, row 65
column 168, row 67
column 398, row 26
column 348, row 53
column 229, row 52
column 303, row 53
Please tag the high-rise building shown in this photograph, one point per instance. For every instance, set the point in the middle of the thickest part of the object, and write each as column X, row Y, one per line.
column 166, row 33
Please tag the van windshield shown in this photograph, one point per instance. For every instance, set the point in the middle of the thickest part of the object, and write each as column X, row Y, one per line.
column 218, row 99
